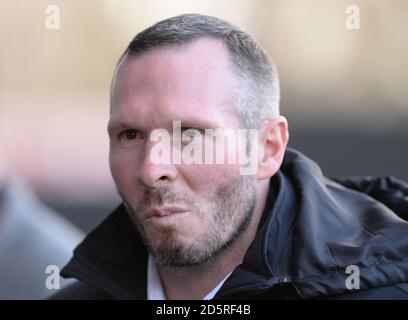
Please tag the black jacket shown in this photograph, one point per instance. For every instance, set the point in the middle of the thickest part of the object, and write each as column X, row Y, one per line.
column 312, row 229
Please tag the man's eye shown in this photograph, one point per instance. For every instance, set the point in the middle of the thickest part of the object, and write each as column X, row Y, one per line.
column 130, row 134
column 191, row 132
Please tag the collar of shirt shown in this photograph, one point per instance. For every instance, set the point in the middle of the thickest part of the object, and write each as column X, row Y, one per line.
column 155, row 289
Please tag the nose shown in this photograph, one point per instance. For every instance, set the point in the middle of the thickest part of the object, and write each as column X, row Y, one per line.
column 152, row 173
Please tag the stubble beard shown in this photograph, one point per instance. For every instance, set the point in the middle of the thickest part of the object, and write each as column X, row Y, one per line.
column 233, row 205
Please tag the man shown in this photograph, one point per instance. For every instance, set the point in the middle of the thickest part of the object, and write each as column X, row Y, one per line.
column 194, row 230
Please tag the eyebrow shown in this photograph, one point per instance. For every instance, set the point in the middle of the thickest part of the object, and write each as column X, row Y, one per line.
column 195, row 122
column 114, row 126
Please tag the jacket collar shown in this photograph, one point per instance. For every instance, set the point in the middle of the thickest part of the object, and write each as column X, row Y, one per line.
column 312, row 229
column 112, row 258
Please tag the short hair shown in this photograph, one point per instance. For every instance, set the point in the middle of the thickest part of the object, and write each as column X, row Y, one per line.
column 258, row 92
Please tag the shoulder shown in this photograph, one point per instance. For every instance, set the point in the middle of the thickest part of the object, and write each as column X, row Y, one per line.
column 81, row 291
column 392, row 292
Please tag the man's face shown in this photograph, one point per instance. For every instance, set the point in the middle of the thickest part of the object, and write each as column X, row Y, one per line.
column 186, row 213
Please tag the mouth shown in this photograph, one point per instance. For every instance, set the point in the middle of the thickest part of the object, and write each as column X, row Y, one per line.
column 165, row 217
column 164, row 212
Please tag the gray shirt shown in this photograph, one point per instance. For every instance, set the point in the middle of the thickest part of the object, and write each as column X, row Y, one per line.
column 32, row 237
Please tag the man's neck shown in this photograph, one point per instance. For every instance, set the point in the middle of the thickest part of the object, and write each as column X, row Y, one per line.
column 195, row 282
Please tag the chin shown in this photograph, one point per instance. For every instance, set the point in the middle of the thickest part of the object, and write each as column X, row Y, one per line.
column 172, row 238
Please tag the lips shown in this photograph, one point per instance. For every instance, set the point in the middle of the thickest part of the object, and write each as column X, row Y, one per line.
column 163, row 211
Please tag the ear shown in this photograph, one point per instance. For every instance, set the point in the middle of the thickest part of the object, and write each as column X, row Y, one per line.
column 274, row 137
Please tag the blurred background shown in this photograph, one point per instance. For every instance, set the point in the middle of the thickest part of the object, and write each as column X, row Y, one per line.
column 344, row 91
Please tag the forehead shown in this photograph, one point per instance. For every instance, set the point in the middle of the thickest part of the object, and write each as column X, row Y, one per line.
column 173, row 83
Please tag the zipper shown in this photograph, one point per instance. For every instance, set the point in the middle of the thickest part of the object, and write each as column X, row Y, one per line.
column 259, row 289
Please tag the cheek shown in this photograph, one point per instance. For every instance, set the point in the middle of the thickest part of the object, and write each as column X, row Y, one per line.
column 123, row 168
column 204, row 180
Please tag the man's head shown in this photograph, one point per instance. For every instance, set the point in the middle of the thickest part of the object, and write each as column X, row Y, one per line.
column 207, row 74
column 256, row 88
